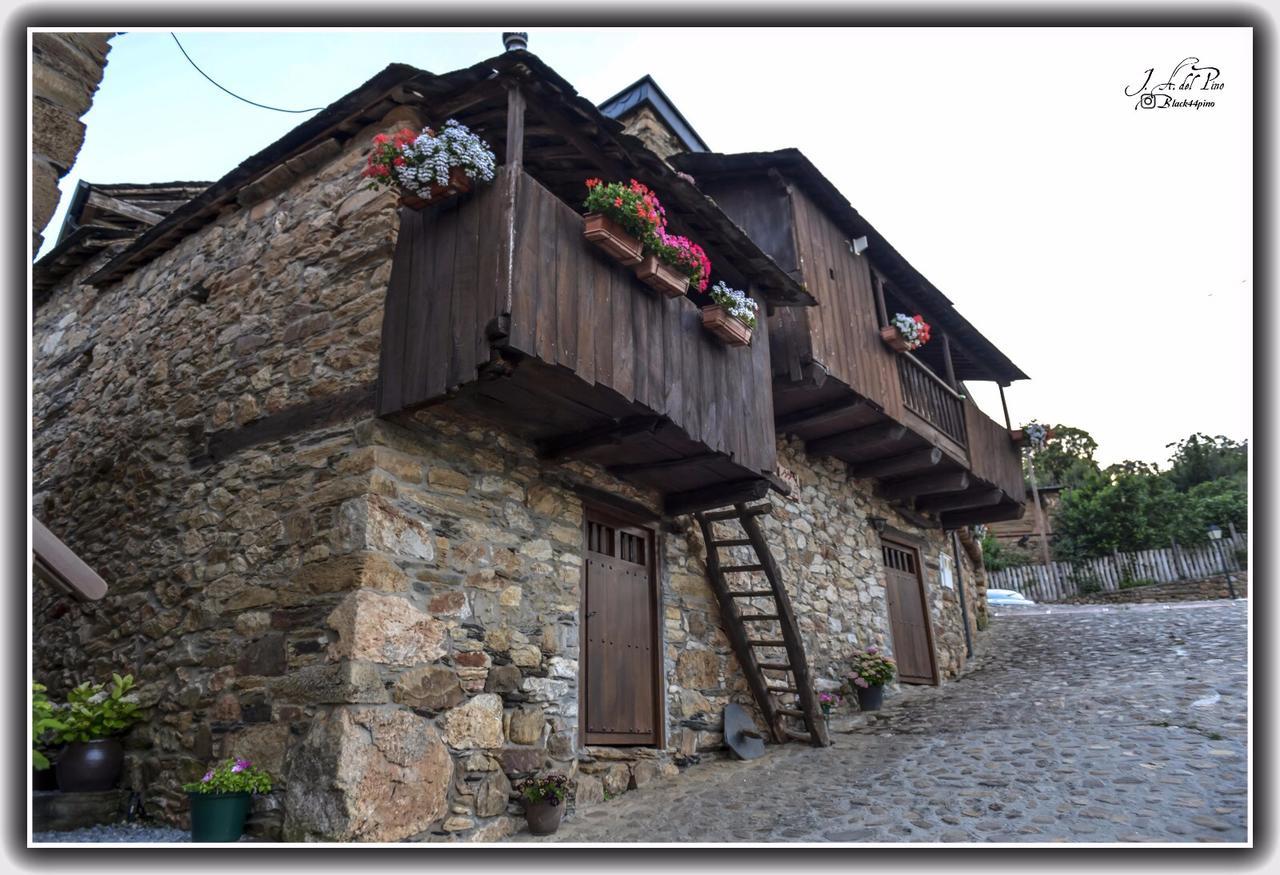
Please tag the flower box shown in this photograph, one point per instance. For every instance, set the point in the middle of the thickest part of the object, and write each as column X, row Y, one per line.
column 1019, row 436
column 609, row 236
column 458, row 183
column 729, row 329
column 661, row 277
column 893, row 338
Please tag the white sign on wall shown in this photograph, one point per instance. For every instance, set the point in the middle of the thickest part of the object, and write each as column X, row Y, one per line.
column 945, row 572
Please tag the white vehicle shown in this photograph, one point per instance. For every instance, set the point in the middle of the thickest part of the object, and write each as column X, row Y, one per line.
column 1007, row 597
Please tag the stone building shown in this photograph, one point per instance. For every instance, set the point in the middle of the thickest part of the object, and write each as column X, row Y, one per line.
column 400, row 504
column 66, row 69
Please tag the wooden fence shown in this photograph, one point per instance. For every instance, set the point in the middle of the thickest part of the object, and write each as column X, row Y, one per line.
column 1106, row 573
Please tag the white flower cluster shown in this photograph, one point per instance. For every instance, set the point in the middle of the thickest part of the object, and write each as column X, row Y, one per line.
column 1036, row 434
column 739, row 305
column 429, row 158
column 910, row 329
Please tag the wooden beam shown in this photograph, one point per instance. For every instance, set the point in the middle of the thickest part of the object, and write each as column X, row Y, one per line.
column 878, row 284
column 946, row 357
column 358, row 401
column 971, row 516
column 123, row 208
column 918, row 460
column 960, row 500
column 717, row 495
column 880, row 433
column 551, row 118
column 916, row 519
column 815, row 415
column 950, row 481
column 1005, row 405
column 660, row 465
column 613, row 432
column 602, row 498
column 515, row 126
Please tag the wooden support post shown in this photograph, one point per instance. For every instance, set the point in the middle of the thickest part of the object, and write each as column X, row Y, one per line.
column 946, row 356
column 513, row 170
column 1040, row 524
column 881, row 310
column 1005, row 406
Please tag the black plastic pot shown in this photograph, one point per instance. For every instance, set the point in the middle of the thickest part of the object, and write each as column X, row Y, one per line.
column 43, row 779
column 218, row 817
column 89, row 766
column 544, row 817
column 871, row 698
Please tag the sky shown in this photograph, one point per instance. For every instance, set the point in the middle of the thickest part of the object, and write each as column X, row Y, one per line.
column 1107, row 250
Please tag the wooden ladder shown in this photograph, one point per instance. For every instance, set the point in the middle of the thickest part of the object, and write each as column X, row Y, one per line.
column 753, row 632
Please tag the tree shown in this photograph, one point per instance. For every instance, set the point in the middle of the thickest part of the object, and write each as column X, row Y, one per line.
column 1066, row 460
column 1203, row 459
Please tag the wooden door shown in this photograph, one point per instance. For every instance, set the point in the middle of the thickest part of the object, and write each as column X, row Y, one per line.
column 908, row 614
column 620, row 679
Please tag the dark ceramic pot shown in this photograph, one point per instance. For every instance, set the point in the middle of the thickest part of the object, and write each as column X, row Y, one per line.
column 871, row 698
column 218, row 817
column 89, row 766
column 544, row 817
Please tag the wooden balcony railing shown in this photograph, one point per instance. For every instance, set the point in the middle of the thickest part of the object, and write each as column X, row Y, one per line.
column 926, row 395
column 992, row 456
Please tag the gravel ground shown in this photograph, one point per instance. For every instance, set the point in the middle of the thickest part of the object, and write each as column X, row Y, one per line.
column 132, row 833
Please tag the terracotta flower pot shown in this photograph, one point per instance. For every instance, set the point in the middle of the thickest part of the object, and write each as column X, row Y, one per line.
column 89, row 766
column 458, row 183
column 661, row 277
column 893, row 338
column 611, row 238
column 544, row 817
column 733, row 332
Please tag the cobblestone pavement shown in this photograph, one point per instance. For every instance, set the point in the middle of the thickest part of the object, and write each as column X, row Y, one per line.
column 1087, row 724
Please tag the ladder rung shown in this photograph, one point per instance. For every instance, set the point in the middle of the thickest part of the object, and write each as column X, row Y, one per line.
column 790, row 712
column 732, row 542
column 798, row 736
column 751, row 593
column 782, row 689
column 766, row 642
column 759, row 618
column 728, row 568
column 720, row 515
column 774, row 666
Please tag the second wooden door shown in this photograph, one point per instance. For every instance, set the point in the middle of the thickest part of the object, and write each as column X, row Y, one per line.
column 908, row 614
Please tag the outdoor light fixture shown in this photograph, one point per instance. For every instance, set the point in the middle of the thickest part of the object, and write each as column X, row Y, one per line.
column 1215, row 533
column 877, row 523
column 857, row 245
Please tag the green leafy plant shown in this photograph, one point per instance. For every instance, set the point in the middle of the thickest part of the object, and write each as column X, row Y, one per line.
column 232, row 775
column 870, row 668
column 97, row 711
column 1131, row 582
column 44, row 725
column 550, row 788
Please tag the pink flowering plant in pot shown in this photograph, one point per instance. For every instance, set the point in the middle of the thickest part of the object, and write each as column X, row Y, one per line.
column 220, row 800
column 870, row 671
column 827, row 701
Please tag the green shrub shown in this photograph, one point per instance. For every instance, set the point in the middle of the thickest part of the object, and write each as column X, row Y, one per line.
column 44, row 725
column 92, row 711
column 1131, row 583
column 232, row 775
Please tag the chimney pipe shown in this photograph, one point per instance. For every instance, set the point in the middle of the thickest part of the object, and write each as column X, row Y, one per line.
column 515, row 40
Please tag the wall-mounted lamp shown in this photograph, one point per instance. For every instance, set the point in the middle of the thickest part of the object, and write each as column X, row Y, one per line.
column 877, row 523
column 857, row 245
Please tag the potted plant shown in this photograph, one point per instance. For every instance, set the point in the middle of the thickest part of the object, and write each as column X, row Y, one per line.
column 674, row 264
column 732, row 316
column 870, row 672
column 44, row 726
column 543, row 799
column 220, row 800
column 1032, row 434
column 905, row 333
column 621, row 219
column 827, row 701
column 92, row 718
column 429, row 167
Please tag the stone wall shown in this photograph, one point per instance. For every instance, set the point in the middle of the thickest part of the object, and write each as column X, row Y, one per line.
column 385, row 614
column 645, row 124
column 66, row 69
column 1179, row 591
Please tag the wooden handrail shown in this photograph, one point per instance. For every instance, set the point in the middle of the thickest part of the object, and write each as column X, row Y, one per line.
column 941, row 382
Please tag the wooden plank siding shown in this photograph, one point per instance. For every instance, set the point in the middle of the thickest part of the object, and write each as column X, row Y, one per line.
column 992, row 455
column 611, row 347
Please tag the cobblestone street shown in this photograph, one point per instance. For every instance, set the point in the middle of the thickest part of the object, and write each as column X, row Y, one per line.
column 1081, row 724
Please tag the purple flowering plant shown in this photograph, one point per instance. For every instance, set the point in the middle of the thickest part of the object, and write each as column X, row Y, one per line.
column 827, row 701
column 870, row 668
column 232, row 775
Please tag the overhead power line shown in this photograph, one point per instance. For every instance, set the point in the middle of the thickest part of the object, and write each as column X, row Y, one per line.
column 229, row 91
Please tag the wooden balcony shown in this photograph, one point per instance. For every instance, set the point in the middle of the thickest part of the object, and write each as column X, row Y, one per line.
column 925, row 394
column 498, row 306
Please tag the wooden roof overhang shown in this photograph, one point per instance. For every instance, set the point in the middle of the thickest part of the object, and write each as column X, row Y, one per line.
column 566, row 140
column 973, row 355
